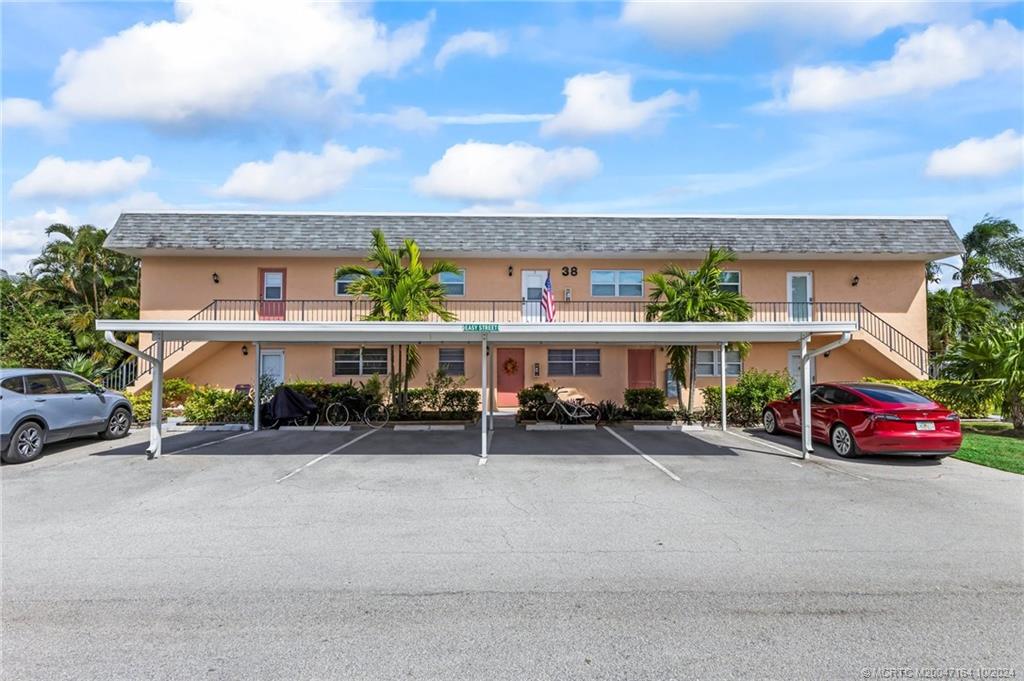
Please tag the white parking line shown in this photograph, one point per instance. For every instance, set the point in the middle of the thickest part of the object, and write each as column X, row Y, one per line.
column 786, row 450
column 324, row 456
column 207, row 444
column 649, row 459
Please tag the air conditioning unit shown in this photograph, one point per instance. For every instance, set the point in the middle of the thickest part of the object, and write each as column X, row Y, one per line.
column 568, row 294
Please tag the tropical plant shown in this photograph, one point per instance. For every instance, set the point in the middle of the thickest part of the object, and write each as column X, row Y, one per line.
column 681, row 296
column 400, row 287
column 992, row 245
column 84, row 366
column 38, row 346
column 990, row 366
column 954, row 315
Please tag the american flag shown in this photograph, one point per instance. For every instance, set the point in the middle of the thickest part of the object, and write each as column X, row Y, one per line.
column 547, row 301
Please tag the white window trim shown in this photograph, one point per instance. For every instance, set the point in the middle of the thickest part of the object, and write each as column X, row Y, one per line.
column 462, row 361
column 456, row 295
column 739, row 277
column 362, row 368
column 574, row 362
column 618, row 284
column 347, row 295
column 717, row 371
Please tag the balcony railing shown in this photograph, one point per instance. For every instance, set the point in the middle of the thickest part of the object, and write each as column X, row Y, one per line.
column 503, row 311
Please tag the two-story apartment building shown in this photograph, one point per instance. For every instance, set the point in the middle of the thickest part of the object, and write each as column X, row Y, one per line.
column 278, row 267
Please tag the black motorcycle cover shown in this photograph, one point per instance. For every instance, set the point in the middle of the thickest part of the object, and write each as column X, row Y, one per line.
column 287, row 404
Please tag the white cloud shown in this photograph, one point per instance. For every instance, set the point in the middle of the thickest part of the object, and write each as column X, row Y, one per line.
column 54, row 176
column 23, row 237
column 478, row 171
column 297, row 176
column 708, row 24
column 470, row 42
column 413, row 119
column 936, row 58
column 28, row 113
column 978, row 157
column 221, row 59
column 601, row 103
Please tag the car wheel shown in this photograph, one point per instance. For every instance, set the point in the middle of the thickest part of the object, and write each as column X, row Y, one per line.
column 26, row 443
column 843, row 443
column 771, row 425
column 118, row 425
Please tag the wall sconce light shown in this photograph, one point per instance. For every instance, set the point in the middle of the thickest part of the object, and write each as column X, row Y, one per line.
column 245, row 350
column 216, row 278
column 510, row 270
column 855, row 280
column 827, row 354
column 536, row 369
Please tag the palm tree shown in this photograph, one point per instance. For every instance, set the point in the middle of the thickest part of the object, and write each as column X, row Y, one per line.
column 955, row 315
column 992, row 245
column 78, row 276
column 990, row 366
column 681, row 296
column 400, row 287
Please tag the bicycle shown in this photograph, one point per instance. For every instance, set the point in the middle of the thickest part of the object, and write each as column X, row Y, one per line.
column 375, row 415
column 571, row 409
column 310, row 419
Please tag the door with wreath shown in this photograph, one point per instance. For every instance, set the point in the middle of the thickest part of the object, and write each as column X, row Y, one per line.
column 509, row 367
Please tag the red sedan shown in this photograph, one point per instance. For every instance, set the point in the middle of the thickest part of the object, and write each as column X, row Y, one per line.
column 870, row 418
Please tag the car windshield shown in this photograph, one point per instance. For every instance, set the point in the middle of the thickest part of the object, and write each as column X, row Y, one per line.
column 893, row 395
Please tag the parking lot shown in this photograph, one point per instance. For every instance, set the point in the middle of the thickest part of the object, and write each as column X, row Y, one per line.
column 607, row 553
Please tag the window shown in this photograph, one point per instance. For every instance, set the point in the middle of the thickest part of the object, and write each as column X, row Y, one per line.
column 273, row 286
column 360, row 361
column 43, row 384
column 892, row 394
column 730, row 281
column 573, row 362
column 708, row 363
column 14, row 384
column 454, row 283
column 827, row 394
column 341, row 283
column 617, row 283
column 74, row 384
column 452, row 361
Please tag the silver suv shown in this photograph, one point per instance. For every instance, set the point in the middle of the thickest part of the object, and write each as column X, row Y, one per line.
column 39, row 406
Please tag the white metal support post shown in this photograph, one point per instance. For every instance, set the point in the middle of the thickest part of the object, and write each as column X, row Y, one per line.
column 722, row 367
column 806, row 445
column 156, row 410
column 256, row 391
column 483, row 397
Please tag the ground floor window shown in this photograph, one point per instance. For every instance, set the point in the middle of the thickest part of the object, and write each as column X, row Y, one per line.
column 360, row 361
column 708, row 363
column 574, row 362
column 452, row 361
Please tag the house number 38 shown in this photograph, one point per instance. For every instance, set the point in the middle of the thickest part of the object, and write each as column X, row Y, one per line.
column 570, row 271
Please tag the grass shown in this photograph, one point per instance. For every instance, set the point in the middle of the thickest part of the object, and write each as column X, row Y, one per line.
column 995, row 445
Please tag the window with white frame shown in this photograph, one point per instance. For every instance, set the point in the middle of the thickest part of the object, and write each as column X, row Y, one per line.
column 730, row 281
column 574, row 362
column 360, row 361
column 709, row 363
column 454, row 283
column 341, row 284
column 617, row 283
column 452, row 361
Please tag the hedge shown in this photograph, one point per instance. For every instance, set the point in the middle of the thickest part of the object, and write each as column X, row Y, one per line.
column 746, row 399
column 938, row 390
column 213, row 405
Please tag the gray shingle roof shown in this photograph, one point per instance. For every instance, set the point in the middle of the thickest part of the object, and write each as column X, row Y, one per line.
column 241, row 233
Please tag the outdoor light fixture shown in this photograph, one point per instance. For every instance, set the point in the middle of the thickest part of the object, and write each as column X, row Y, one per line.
column 855, row 280
column 536, row 369
column 245, row 350
column 510, row 270
column 216, row 278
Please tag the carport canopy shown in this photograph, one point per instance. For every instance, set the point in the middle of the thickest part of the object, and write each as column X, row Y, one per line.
column 402, row 333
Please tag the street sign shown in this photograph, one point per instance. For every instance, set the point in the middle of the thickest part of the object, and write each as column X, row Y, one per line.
column 479, row 328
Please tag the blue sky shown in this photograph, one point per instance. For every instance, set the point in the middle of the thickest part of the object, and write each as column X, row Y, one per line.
column 888, row 108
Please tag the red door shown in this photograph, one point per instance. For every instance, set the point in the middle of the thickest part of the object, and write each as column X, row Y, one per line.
column 272, row 294
column 641, row 369
column 510, row 375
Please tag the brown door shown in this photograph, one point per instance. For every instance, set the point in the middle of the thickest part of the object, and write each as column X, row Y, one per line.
column 641, row 369
column 272, row 294
column 511, row 375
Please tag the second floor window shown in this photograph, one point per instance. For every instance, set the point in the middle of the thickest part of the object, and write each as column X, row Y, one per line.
column 452, row 361
column 574, row 362
column 360, row 361
column 617, row 283
column 341, row 284
column 709, row 363
column 730, row 281
column 454, row 283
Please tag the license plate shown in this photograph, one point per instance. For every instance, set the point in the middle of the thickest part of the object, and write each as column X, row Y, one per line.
column 925, row 425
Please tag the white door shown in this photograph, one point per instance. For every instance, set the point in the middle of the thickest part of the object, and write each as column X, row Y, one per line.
column 793, row 366
column 272, row 364
column 799, row 295
column 533, row 290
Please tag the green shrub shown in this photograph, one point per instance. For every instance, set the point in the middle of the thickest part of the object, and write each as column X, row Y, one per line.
column 611, row 411
column 142, row 403
column 460, row 403
column 939, row 390
column 746, row 399
column 176, row 391
column 213, row 405
column 644, row 400
column 36, row 347
column 533, row 399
